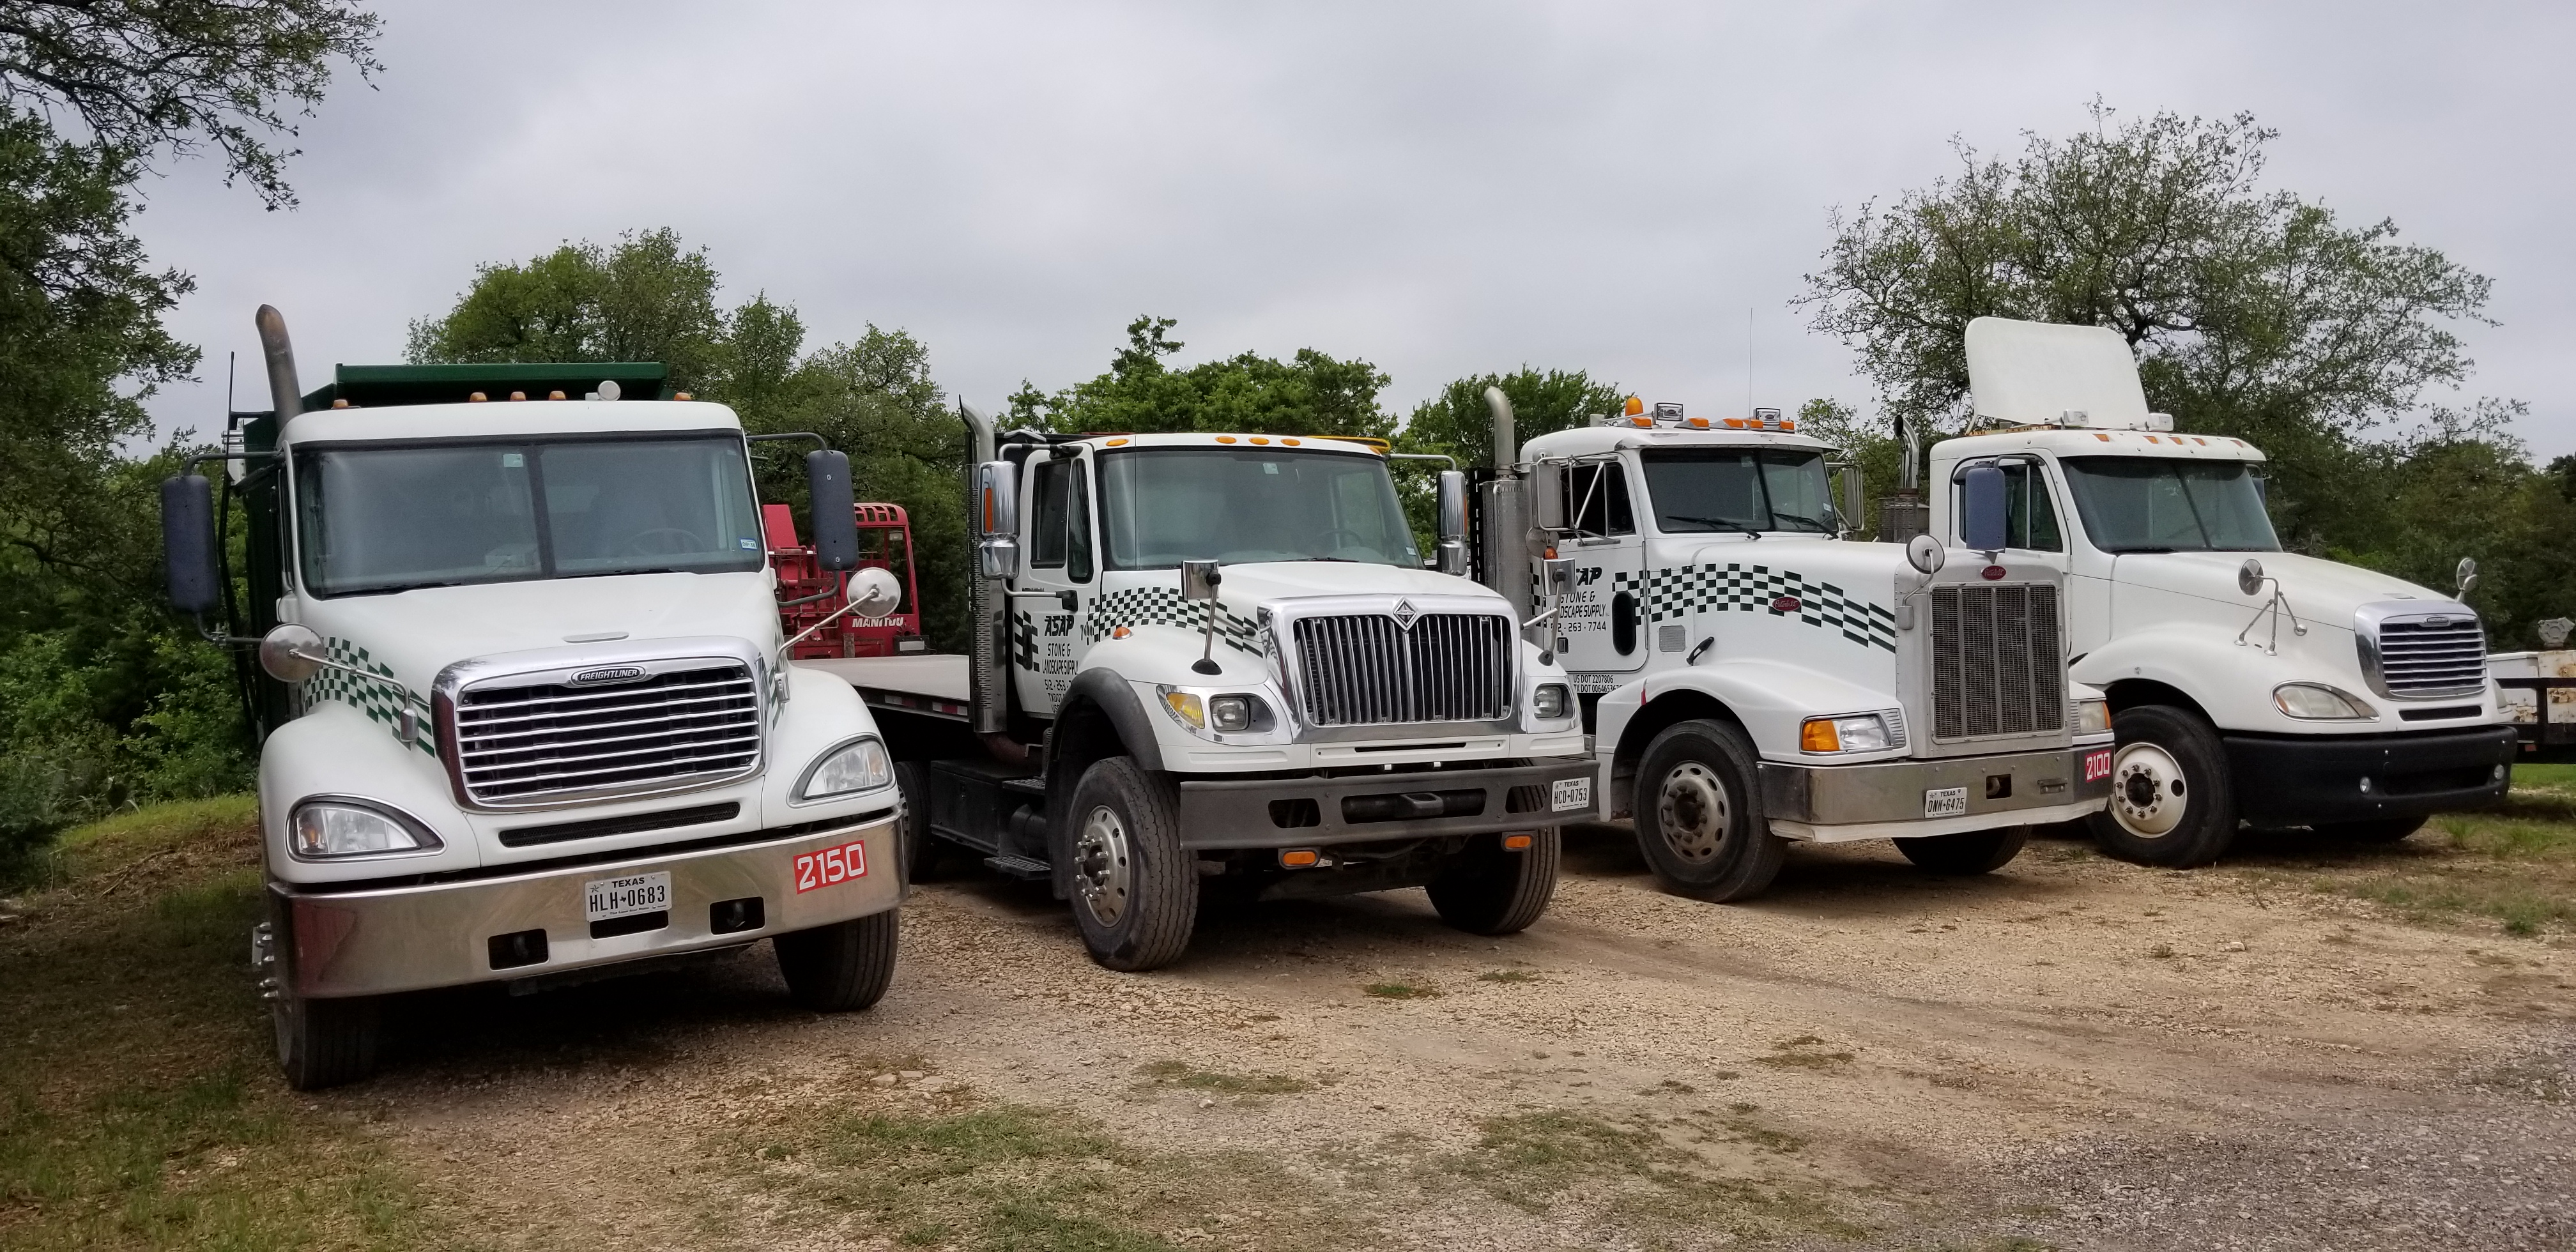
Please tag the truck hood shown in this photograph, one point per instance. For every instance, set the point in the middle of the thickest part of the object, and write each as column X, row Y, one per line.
column 411, row 635
column 2319, row 591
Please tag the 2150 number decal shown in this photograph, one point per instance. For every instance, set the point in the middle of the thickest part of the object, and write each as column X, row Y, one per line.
column 831, row 865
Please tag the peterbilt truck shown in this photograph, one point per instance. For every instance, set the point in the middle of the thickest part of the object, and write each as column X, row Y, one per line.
column 1215, row 663
column 2247, row 684
column 1753, row 676
column 525, row 709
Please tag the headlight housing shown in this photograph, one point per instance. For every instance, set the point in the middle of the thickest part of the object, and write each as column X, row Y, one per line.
column 1859, row 732
column 847, row 768
column 2092, row 717
column 1550, row 700
column 2317, row 702
column 1234, row 712
column 329, row 828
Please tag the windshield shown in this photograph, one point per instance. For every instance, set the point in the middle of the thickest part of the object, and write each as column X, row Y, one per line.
column 2159, row 504
column 1732, row 489
column 377, row 519
column 1162, row 506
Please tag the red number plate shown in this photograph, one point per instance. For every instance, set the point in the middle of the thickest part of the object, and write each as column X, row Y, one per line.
column 836, row 865
column 2097, row 765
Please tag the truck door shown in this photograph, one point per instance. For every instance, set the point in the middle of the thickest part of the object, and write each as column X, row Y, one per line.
column 2033, row 532
column 1603, row 625
column 1053, row 594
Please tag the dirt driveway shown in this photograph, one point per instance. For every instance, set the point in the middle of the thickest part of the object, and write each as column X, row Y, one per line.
column 2071, row 1053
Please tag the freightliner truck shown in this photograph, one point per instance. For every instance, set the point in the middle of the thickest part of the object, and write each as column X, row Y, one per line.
column 1753, row 677
column 1218, row 664
column 525, row 710
column 2247, row 684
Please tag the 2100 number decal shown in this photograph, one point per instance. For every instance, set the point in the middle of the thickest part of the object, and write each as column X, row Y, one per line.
column 2097, row 765
column 831, row 865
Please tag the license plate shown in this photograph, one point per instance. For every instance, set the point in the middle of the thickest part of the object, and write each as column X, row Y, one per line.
column 604, row 898
column 2097, row 765
column 1945, row 802
column 831, row 865
column 1568, row 794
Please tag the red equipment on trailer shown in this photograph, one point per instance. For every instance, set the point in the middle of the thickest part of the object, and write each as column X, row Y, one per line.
column 807, row 593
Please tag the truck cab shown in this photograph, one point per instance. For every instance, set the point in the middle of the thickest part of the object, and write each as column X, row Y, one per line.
column 525, row 712
column 1753, row 677
column 2247, row 683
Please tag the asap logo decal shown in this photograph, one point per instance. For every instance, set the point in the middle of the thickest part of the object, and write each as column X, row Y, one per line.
column 831, row 865
column 2097, row 765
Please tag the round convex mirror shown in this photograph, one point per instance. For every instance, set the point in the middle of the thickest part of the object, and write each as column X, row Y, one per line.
column 1925, row 554
column 291, row 653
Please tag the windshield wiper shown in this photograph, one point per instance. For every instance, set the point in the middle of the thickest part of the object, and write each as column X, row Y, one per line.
column 1799, row 517
column 1722, row 523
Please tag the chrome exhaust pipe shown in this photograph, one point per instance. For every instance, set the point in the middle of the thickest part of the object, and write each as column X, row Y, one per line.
column 988, row 700
column 284, row 391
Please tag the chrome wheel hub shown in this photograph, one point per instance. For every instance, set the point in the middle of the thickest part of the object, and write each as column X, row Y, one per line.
column 2148, row 795
column 1692, row 811
column 1103, row 866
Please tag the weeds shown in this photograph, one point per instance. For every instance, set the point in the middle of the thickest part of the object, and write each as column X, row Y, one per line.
column 1507, row 975
column 1402, row 991
column 1180, row 1074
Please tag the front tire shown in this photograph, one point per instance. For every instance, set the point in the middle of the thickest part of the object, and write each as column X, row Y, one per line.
column 2171, row 800
column 1699, row 813
column 2380, row 830
column 1490, row 890
column 842, row 967
column 1135, row 888
column 915, row 856
column 324, row 1043
column 1974, row 852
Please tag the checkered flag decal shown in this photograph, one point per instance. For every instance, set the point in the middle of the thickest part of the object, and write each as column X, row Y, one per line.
column 1673, row 594
column 380, row 701
column 1024, row 640
column 1163, row 606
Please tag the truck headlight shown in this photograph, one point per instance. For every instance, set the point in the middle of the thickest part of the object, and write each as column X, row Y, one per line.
column 2092, row 717
column 2317, row 702
column 1234, row 712
column 1550, row 700
column 851, row 767
column 1865, row 732
column 328, row 827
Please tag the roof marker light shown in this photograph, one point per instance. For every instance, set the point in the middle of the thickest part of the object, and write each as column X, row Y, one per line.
column 1258, row 439
column 1700, row 422
column 1113, row 443
column 2103, row 437
column 682, row 395
column 1640, row 419
column 1225, row 439
column 518, row 395
column 1735, row 423
column 339, row 404
column 554, row 395
column 1636, row 405
column 1290, row 442
column 477, row 398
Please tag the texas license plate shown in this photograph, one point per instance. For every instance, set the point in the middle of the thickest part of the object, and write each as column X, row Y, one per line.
column 2097, row 765
column 604, row 898
column 831, row 865
column 1566, row 795
column 1945, row 802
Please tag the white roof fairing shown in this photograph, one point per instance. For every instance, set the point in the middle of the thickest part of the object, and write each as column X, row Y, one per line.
column 2036, row 373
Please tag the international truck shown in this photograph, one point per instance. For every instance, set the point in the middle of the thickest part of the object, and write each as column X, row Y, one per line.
column 1217, row 666
column 525, row 709
column 2247, row 684
column 1753, row 676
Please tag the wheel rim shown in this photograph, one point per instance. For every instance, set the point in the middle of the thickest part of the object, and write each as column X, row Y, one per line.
column 1103, row 866
column 1692, row 810
column 2149, row 797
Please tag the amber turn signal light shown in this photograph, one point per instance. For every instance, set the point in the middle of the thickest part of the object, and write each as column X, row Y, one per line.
column 1516, row 843
column 1819, row 736
column 1299, row 858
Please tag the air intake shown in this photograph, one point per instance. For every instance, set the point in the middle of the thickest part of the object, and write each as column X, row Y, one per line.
column 1997, row 667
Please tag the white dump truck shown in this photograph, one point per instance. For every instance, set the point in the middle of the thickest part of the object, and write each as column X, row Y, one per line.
column 2247, row 684
column 1752, row 677
column 525, row 712
column 1217, row 663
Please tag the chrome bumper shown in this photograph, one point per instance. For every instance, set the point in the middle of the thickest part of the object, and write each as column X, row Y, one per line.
column 368, row 942
column 1888, row 800
column 1362, row 808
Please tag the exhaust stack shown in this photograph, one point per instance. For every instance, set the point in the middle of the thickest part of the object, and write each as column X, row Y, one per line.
column 986, row 695
column 1507, row 548
column 284, row 391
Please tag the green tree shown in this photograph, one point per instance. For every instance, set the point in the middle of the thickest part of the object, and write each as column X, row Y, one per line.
column 1456, row 422
column 1309, row 394
column 646, row 298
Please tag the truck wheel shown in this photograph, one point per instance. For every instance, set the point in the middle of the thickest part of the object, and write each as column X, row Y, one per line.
column 1135, row 890
column 2383, row 830
column 1974, row 852
column 1489, row 890
column 1699, row 813
column 324, row 1042
column 2171, row 803
column 841, row 967
column 913, row 853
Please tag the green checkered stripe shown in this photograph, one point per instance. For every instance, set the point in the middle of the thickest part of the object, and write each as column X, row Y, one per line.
column 1713, row 588
column 1163, row 606
column 380, row 701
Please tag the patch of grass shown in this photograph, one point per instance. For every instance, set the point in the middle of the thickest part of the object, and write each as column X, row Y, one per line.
column 1402, row 991
column 2512, row 865
column 1536, row 1160
column 1507, row 975
column 1181, row 1074
column 1803, row 1052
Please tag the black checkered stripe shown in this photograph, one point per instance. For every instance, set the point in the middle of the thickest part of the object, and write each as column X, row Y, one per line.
column 1024, row 640
column 1672, row 594
column 1163, row 606
column 380, row 701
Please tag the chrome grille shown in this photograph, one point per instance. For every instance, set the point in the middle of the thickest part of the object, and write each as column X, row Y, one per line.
column 1364, row 670
column 518, row 744
column 1996, row 664
column 2418, row 658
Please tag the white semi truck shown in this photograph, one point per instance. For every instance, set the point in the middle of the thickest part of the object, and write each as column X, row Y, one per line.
column 525, row 716
column 2247, row 684
column 1209, row 663
column 1751, row 677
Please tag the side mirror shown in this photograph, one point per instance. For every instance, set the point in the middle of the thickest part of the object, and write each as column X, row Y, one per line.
column 997, row 519
column 291, row 653
column 188, row 540
column 2249, row 577
column 1199, row 580
column 875, row 593
column 1556, row 576
column 1548, row 507
column 1981, row 508
column 1453, row 523
column 2466, row 576
column 1926, row 555
column 836, row 525
column 1849, row 481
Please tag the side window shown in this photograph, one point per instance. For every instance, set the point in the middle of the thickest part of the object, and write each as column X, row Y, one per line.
column 1049, row 536
column 2030, row 519
column 1077, row 509
column 1597, row 499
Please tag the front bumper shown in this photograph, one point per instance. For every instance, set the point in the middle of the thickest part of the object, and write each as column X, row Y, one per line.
column 1361, row 808
column 1889, row 799
column 442, row 934
column 2302, row 780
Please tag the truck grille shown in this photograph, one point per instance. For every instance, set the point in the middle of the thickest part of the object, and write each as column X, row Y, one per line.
column 2418, row 658
column 1364, row 670
column 1997, row 668
column 516, row 744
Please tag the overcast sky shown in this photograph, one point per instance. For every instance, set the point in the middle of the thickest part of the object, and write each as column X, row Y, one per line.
column 1442, row 189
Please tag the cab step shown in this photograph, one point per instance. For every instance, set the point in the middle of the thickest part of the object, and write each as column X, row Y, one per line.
column 1020, row 867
